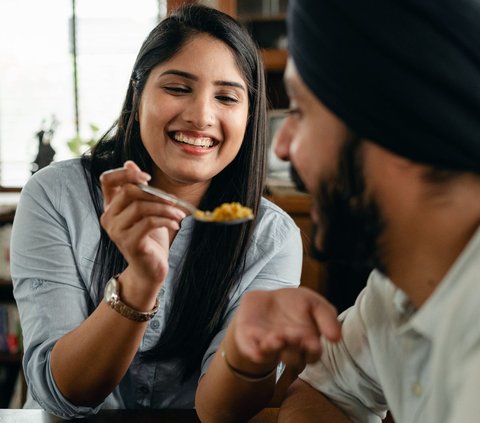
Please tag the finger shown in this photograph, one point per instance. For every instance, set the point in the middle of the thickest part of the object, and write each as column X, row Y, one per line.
column 129, row 210
column 136, row 234
column 248, row 340
column 294, row 359
column 325, row 316
column 301, row 341
column 312, row 357
column 143, row 216
column 305, row 340
column 273, row 342
column 112, row 179
column 294, row 354
column 130, row 164
column 130, row 172
column 151, row 223
column 293, row 351
column 312, row 347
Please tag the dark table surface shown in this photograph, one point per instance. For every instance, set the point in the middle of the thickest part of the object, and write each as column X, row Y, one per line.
column 268, row 415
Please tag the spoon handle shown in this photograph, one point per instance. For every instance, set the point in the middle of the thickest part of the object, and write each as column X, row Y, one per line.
column 169, row 197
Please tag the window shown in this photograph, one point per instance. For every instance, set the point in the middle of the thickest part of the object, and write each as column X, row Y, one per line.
column 37, row 73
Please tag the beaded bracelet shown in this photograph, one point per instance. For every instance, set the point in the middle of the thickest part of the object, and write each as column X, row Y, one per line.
column 244, row 375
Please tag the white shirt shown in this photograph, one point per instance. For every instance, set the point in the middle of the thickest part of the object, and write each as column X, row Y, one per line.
column 424, row 365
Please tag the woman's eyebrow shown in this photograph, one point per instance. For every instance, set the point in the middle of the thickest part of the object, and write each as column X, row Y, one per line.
column 230, row 84
column 193, row 77
column 184, row 74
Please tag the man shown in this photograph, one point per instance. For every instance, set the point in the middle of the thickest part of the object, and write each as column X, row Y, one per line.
column 384, row 130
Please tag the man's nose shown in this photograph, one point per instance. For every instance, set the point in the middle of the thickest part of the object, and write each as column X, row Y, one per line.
column 200, row 112
column 281, row 141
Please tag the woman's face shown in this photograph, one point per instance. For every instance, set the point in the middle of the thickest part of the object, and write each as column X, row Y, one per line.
column 193, row 113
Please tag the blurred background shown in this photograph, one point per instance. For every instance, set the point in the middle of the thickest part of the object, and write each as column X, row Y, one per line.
column 65, row 66
column 64, row 69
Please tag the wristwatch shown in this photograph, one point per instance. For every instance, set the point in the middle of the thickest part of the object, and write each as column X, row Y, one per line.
column 112, row 298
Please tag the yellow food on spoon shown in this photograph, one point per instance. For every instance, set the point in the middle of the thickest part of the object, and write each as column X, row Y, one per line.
column 226, row 212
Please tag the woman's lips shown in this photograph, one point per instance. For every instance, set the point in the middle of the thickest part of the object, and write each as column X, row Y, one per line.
column 194, row 140
column 193, row 144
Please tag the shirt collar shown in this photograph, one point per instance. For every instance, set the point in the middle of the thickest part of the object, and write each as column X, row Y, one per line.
column 425, row 319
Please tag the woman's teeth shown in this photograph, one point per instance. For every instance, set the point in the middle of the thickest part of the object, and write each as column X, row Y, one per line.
column 204, row 142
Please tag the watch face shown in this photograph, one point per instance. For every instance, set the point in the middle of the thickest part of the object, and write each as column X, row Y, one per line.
column 111, row 290
column 112, row 298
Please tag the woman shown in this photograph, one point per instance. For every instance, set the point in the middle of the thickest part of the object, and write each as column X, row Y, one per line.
column 192, row 124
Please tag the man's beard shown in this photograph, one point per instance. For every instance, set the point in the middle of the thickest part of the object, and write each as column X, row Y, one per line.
column 350, row 226
column 296, row 179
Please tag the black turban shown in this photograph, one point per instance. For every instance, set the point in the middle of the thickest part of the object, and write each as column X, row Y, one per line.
column 402, row 73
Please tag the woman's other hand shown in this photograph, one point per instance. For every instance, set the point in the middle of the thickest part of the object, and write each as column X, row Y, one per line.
column 284, row 325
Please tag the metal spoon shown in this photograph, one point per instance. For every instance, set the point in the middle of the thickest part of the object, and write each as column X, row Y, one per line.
column 196, row 213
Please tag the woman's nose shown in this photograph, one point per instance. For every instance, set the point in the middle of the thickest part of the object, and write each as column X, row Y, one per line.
column 199, row 112
column 282, row 140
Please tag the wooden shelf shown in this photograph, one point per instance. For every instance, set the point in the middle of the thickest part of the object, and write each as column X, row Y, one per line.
column 261, row 18
column 294, row 204
column 274, row 59
column 10, row 189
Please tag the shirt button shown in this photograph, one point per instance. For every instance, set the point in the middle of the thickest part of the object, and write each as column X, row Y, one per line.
column 155, row 324
column 417, row 389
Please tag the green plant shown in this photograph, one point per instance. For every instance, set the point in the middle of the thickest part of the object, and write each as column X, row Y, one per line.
column 79, row 145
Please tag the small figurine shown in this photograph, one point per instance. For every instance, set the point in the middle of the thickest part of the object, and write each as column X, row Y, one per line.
column 46, row 153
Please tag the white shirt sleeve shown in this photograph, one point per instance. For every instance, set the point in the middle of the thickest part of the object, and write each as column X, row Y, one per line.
column 465, row 405
column 346, row 373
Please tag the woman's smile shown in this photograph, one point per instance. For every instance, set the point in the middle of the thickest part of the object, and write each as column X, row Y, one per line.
column 193, row 143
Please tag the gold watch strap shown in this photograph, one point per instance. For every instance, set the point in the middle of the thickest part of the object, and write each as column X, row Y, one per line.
column 112, row 298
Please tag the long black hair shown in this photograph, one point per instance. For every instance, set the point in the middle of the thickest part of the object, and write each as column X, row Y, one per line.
column 215, row 258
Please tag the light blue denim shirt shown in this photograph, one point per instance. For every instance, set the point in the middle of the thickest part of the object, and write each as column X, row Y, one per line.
column 54, row 241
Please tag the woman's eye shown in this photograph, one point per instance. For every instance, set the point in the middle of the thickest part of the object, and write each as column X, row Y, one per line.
column 176, row 90
column 226, row 99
